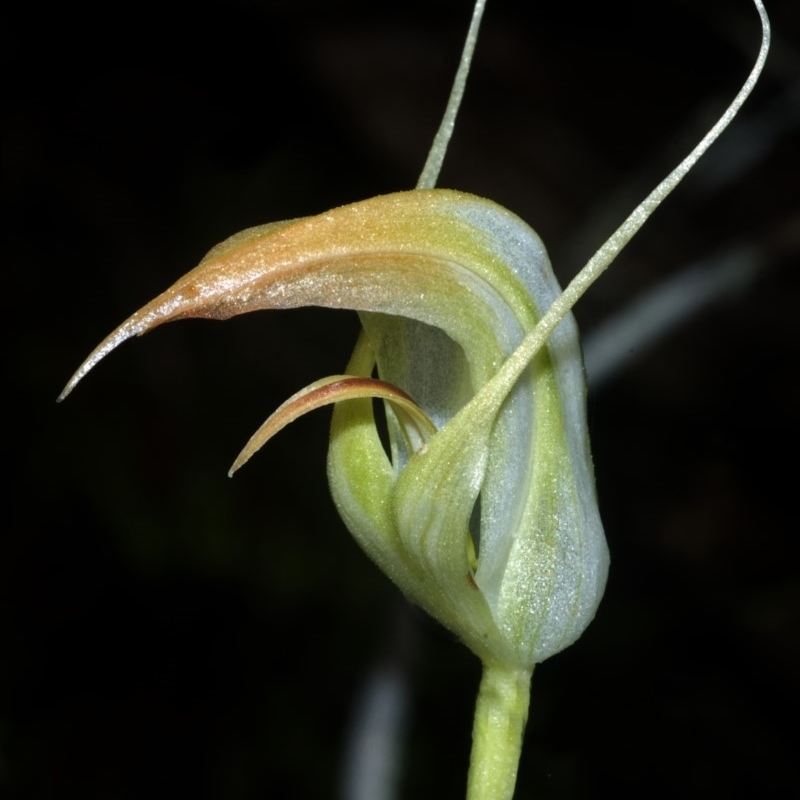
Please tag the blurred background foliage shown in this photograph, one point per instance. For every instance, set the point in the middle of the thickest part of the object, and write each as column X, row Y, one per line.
column 168, row 632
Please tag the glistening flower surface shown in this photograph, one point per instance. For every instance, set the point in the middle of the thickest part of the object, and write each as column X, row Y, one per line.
column 486, row 513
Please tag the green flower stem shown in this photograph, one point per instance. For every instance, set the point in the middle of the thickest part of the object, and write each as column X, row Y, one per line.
column 500, row 716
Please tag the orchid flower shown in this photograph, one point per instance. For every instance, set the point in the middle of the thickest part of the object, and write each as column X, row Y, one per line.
column 483, row 510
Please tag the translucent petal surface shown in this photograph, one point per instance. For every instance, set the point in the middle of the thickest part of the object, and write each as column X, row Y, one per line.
column 448, row 285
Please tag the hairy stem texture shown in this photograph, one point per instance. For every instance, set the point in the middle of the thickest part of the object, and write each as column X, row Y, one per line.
column 500, row 716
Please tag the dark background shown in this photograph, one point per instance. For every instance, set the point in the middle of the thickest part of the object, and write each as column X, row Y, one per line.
column 169, row 632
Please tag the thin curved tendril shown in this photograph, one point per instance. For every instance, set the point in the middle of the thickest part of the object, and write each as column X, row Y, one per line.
column 599, row 262
column 430, row 172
